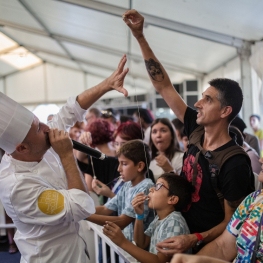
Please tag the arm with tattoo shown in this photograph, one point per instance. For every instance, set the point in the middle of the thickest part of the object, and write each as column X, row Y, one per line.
column 157, row 73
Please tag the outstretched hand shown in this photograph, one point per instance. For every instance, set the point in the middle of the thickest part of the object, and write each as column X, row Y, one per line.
column 134, row 21
column 177, row 244
column 113, row 232
column 101, row 188
column 116, row 79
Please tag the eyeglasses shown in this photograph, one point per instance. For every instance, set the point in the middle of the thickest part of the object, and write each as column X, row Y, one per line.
column 158, row 186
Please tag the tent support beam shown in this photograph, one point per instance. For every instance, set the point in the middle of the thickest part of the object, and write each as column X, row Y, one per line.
column 164, row 23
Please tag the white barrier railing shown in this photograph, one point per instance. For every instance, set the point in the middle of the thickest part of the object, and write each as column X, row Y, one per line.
column 124, row 257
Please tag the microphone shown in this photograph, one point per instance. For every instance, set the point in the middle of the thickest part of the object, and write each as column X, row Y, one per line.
column 88, row 150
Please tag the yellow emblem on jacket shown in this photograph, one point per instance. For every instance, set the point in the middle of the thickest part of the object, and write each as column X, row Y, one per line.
column 51, row 202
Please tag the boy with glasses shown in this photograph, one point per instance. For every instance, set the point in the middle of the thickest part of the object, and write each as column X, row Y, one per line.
column 168, row 198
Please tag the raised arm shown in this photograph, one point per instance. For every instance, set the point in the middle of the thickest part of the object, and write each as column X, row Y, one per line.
column 157, row 73
column 114, row 82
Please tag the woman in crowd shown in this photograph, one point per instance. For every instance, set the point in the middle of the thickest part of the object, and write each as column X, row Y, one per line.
column 104, row 172
column 166, row 155
column 98, row 136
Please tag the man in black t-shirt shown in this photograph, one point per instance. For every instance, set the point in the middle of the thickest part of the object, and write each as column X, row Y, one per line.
column 220, row 103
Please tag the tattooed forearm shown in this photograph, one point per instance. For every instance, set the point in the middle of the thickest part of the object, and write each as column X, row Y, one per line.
column 154, row 69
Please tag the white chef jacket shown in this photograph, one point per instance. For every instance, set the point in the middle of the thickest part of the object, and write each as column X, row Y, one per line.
column 47, row 215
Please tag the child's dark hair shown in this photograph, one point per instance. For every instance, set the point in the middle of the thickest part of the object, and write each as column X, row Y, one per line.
column 136, row 151
column 180, row 187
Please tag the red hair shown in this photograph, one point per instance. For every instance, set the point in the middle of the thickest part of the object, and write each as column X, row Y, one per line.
column 101, row 132
column 129, row 131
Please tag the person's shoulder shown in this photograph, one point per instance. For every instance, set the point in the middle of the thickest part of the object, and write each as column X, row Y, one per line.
column 178, row 155
column 260, row 134
column 238, row 159
column 146, row 183
column 257, row 195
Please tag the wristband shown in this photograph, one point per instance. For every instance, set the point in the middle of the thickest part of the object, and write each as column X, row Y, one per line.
column 199, row 238
column 139, row 217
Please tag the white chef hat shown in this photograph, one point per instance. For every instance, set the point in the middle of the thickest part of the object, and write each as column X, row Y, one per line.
column 15, row 122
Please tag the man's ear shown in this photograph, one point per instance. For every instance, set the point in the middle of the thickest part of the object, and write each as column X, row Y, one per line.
column 22, row 148
column 141, row 166
column 173, row 199
column 226, row 111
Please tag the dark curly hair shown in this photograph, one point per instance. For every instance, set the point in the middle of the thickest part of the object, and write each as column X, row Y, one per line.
column 180, row 187
column 101, row 132
column 129, row 131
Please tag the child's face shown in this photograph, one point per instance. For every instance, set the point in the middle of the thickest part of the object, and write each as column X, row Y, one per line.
column 127, row 169
column 118, row 143
column 158, row 198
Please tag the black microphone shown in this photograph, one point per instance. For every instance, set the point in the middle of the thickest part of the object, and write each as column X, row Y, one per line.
column 88, row 150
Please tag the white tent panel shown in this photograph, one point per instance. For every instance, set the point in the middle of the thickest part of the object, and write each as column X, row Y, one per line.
column 14, row 12
column 229, row 70
column 106, row 60
column 6, row 68
column 186, row 51
column 232, row 70
column 235, row 18
column 63, row 83
column 92, row 80
column 81, row 23
column 34, row 41
column 58, row 60
column 2, row 85
column 27, row 86
column 96, row 70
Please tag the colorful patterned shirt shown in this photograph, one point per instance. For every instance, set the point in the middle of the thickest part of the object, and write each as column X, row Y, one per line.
column 244, row 226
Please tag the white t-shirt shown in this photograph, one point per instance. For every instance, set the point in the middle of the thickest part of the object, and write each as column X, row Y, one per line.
column 177, row 163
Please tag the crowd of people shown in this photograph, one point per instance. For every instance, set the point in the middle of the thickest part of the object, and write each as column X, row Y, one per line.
column 168, row 188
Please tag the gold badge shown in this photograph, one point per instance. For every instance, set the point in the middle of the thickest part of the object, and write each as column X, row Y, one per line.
column 51, row 202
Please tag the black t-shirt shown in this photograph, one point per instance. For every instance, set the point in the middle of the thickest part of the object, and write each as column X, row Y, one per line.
column 234, row 181
column 105, row 170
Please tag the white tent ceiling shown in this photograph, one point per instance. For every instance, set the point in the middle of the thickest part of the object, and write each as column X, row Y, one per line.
column 190, row 37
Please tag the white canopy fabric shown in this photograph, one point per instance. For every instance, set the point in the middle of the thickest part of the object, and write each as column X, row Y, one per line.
column 190, row 37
